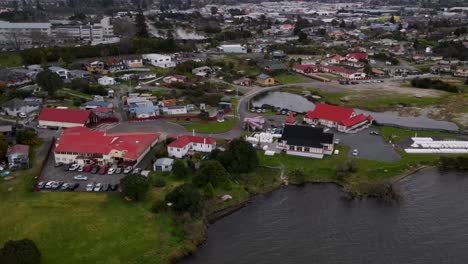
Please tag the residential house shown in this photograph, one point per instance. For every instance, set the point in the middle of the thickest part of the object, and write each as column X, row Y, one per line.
column 233, row 48
column 6, row 130
column 63, row 73
column 96, row 67
column 64, row 118
column 133, row 61
column 96, row 104
column 265, row 80
column 344, row 72
column 306, row 141
column 187, row 145
column 76, row 74
column 342, row 118
column 305, row 68
column 273, row 66
column 335, row 59
column 357, row 57
column 163, row 165
column 159, row 60
column 461, row 71
column 202, row 71
column 84, row 146
column 168, row 102
column 15, row 106
column 18, row 156
column 174, row 110
column 176, row 79
column 243, row 82
column 278, row 55
column 146, row 75
column 106, row 80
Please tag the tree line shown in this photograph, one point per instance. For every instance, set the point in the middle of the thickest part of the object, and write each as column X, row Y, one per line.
column 427, row 83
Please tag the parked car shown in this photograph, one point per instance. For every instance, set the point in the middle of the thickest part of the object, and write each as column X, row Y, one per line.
column 95, row 169
column 90, row 187
column 136, row 170
column 80, row 178
column 118, row 170
column 49, row 185
column 41, row 126
column 73, row 186
column 97, row 187
column 114, row 187
column 65, row 186
column 111, row 171
column 337, row 141
column 103, row 170
column 355, row 152
column 88, row 168
column 128, row 169
column 41, row 185
column 22, row 115
column 74, row 167
column 105, row 187
column 373, row 132
column 56, row 185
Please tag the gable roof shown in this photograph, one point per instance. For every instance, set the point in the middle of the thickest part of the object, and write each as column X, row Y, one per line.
column 65, row 115
column 358, row 55
column 18, row 149
column 306, row 136
column 356, row 120
column 330, row 112
column 183, row 141
column 263, row 76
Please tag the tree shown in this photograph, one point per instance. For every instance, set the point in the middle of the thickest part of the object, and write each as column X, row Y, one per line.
column 185, row 198
column 214, row 10
column 3, row 147
column 141, row 27
column 297, row 176
column 367, row 69
column 240, row 157
column 22, row 251
column 49, row 81
column 211, row 172
column 302, row 37
column 392, row 19
column 208, row 191
column 62, row 63
column 343, row 24
column 134, row 186
column 27, row 137
column 179, row 169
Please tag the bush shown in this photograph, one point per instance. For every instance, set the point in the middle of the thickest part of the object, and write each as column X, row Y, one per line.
column 185, row 198
column 427, row 83
column 22, row 251
column 297, row 176
column 134, row 186
column 159, row 182
column 179, row 169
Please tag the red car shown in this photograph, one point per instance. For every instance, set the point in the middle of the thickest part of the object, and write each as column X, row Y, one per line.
column 88, row 168
column 103, row 170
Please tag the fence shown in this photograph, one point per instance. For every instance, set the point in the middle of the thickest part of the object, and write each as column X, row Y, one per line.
column 179, row 117
column 43, row 164
column 457, row 132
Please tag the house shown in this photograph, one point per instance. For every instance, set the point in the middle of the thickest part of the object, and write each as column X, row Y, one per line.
column 233, row 48
column 146, row 75
column 335, row 59
column 265, row 80
column 133, row 61
column 96, row 67
column 63, row 118
column 106, row 80
column 342, row 118
column 243, row 82
column 18, row 156
column 96, row 104
column 278, row 55
column 174, row 110
column 343, row 72
column 306, row 141
column 84, row 146
column 305, row 68
column 6, row 130
column 187, row 144
column 159, row 60
column 144, row 111
column 15, row 106
column 63, row 73
column 273, row 66
column 163, row 165
column 357, row 57
column 202, row 71
column 76, row 74
column 461, row 71
column 11, row 78
column 176, row 79
column 168, row 102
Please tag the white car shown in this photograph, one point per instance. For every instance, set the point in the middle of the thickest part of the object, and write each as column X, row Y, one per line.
column 49, row 185
column 97, row 187
column 136, row 170
column 22, row 115
column 337, row 141
column 80, row 168
column 355, row 152
column 127, row 169
column 80, row 178
column 89, row 187
column 74, row 167
column 41, row 126
column 111, row 171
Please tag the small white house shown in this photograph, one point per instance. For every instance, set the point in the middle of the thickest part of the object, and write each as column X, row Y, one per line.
column 234, row 48
column 175, row 110
column 185, row 145
column 159, row 60
column 63, row 73
column 106, row 80
column 163, row 165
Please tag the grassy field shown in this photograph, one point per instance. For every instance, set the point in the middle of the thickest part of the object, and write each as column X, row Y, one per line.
column 75, row 93
column 10, row 59
column 289, row 78
column 211, row 126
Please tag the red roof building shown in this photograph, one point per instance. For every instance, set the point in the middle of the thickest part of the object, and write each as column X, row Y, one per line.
column 344, row 119
column 57, row 117
column 291, row 120
column 183, row 145
column 355, row 57
column 85, row 146
column 343, row 72
column 305, row 68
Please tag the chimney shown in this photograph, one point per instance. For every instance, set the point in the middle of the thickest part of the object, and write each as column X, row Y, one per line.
column 193, row 132
column 204, row 141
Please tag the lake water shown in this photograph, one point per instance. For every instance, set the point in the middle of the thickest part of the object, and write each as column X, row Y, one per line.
column 298, row 103
column 312, row 224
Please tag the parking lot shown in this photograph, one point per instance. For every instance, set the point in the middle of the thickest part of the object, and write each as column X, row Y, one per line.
column 52, row 173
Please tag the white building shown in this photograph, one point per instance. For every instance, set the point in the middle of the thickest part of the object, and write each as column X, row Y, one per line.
column 102, row 32
column 159, row 60
column 234, row 48
column 63, row 73
column 163, row 165
column 185, row 145
column 106, row 80
column 174, row 110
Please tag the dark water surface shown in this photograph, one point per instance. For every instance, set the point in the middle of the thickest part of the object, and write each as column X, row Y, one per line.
column 313, row 224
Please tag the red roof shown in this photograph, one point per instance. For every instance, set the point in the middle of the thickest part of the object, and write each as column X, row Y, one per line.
column 83, row 140
column 18, row 149
column 291, row 119
column 65, row 115
column 356, row 120
column 183, row 141
column 336, row 57
column 338, row 69
column 303, row 67
column 330, row 113
column 358, row 56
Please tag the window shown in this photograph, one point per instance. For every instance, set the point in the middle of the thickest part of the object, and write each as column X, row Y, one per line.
column 306, row 149
column 291, row 148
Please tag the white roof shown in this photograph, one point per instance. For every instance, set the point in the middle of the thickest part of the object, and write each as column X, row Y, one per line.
column 9, row 25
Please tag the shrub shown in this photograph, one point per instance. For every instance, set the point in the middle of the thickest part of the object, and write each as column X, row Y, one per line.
column 158, row 206
column 159, row 182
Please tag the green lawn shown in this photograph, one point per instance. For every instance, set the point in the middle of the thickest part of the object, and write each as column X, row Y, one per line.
column 287, row 78
column 75, row 93
column 10, row 59
column 211, row 126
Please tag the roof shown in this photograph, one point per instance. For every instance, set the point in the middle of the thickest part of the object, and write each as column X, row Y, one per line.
column 164, row 162
column 6, row 128
column 356, row 120
column 358, row 56
column 9, row 25
column 330, row 112
column 168, row 102
column 291, row 119
column 306, row 136
column 263, row 76
column 97, row 103
column 183, row 141
column 338, row 69
column 16, row 103
column 18, row 149
column 84, row 140
column 65, row 115
column 303, row 67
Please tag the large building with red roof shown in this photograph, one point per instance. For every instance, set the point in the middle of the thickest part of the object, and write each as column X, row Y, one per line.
column 63, row 118
column 85, row 146
column 342, row 118
column 187, row 144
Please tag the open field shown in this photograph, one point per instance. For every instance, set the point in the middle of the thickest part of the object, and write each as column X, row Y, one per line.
column 289, row 78
column 210, row 126
column 10, row 59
